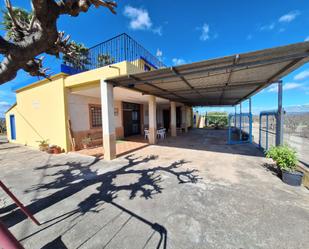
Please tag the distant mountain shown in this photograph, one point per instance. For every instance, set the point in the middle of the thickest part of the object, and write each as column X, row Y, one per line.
column 297, row 108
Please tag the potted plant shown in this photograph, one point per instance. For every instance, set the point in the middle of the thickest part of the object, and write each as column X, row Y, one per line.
column 286, row 160
column 43, row 145
column 86, row 142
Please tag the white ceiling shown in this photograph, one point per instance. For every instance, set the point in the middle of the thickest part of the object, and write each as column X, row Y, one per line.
column 122, row 94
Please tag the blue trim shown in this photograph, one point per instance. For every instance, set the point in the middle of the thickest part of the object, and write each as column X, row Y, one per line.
column 266, row 114
column 240, row 129
column 70, row 70
column 12, row 127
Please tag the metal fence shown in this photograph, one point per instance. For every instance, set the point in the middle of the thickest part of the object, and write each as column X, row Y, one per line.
column 296, row 134
column 115, row 50
column 240, row 128
column 267, row 129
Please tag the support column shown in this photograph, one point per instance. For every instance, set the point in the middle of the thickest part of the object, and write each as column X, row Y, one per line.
column 108, row 120
column 184, row 118
column 240, row 122
column 250, row 120
column 235, row 117
column 152, row 120
column 279, row 130
column 173, row 119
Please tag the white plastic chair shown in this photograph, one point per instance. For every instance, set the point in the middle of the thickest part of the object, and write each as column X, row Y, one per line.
column 161, row 133
column 146, row 134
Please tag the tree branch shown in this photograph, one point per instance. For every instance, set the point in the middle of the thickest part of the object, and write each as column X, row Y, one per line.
column 73, row 8
column 39, row 35
column 5, row 46
column 11, row 13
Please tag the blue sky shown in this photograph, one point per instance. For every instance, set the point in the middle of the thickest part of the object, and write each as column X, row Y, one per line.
column 181, row 32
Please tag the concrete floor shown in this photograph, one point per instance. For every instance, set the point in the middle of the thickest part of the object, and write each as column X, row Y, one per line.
column 193, row 191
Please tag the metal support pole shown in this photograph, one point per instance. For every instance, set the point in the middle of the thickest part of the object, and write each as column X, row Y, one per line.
column 7, row 239
column 279, row 128
column 250, row 120
column 229, row 131
column 18, row 203
column 266, row 133
column 240, row 133
column 260, row 131
column 235, row 118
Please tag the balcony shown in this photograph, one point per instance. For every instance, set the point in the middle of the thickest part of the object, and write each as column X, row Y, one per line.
column 117, row 49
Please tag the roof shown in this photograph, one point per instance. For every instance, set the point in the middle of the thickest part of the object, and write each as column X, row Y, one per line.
column 11, row 107
column 222, row 81
column 32, row 84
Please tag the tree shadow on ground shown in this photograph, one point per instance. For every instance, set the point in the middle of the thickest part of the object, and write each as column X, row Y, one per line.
column 70, row 178
column 271, row 167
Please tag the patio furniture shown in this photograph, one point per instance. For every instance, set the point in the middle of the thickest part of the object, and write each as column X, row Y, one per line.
column 146, row 133
column 161, row 133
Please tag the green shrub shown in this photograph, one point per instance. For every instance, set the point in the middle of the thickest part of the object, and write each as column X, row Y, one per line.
column 217, row 119
column 284, row 156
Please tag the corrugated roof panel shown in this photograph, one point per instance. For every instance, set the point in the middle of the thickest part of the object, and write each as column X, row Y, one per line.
column 229, row 79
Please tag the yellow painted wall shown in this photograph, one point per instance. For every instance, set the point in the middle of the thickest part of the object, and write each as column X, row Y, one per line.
column 95, row 75
column 42, row 110
column 41, row 114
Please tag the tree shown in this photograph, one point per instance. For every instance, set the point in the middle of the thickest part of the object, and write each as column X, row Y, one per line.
column 80, row 60
column 104, row 60
column 29, row 34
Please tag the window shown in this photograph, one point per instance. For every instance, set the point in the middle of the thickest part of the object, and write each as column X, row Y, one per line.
column 95, row 113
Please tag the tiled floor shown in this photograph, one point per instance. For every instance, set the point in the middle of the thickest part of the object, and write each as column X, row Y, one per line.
column 122, row 147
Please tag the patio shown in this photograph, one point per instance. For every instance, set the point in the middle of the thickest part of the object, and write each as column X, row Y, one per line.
column 123, row 147
column 190, row 191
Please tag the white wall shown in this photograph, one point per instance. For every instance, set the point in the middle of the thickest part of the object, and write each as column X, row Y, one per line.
column 78, row 107
column 160, row 109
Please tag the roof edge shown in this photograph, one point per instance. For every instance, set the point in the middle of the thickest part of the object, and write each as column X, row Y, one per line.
column 37, row 83
column 12, row 106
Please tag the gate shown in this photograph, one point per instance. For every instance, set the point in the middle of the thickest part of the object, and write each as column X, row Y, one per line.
column 268, row 129
column 240, row 128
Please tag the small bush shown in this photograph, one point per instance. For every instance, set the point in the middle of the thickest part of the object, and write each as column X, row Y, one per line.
column 217, row 119
column 284, row 156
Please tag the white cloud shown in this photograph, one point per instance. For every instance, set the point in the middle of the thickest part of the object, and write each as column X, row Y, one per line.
column 289, row 17
column 4, row 106
column 302, row 75
column 157, row 31
column 4, row 103
column 159, row 53
column 139, row 18
column 205, row 32
column 249, row 37
column 281, row 30
column 178, row 61
column 307, row 38
column 268, row 27
column 287, row 86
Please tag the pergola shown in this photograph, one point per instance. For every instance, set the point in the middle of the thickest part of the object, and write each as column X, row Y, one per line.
column 225, row 81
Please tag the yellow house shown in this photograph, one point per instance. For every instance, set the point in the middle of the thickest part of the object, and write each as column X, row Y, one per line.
column 114, row 92
column 68, row 107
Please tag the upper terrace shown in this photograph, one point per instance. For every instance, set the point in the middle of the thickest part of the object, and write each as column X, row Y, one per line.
column 115, row 50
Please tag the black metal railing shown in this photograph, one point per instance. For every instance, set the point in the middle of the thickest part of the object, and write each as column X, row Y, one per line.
column 115, row 50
